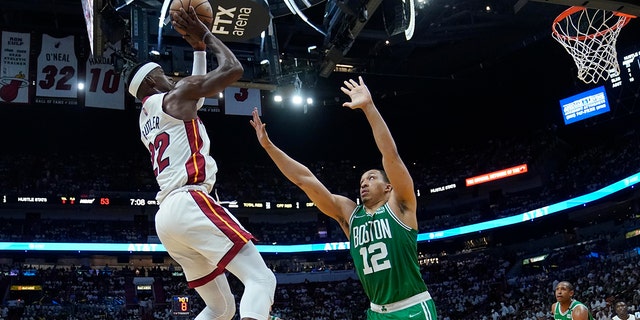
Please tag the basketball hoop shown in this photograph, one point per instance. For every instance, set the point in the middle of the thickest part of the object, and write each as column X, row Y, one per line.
column 589, row 36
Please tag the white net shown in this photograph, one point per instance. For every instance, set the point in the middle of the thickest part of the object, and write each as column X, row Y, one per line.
column 589, row 36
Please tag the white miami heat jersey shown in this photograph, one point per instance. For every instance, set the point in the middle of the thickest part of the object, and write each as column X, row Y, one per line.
column 179, row 149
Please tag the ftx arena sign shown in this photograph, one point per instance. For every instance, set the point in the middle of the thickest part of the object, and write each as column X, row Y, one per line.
column 239, row 20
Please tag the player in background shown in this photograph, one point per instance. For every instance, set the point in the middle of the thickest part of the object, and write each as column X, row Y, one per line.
column 383, row 230
column 200, row 234
column 622, row 312
column 567, row 308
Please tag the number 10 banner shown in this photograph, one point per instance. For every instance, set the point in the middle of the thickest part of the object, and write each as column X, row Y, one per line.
column 104, row 88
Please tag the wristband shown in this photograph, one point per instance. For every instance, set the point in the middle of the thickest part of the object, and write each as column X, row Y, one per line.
column 199, row 63
column 199, row 68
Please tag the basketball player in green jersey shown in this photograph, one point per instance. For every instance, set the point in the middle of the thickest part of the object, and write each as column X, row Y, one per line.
column 566, row 308
column 383, row 230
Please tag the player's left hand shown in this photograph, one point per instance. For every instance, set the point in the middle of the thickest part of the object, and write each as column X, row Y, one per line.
column 261, row 131
column 358, row 92
column 194, row 29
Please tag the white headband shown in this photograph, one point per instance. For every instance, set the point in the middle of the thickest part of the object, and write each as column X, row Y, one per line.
column 139, row 76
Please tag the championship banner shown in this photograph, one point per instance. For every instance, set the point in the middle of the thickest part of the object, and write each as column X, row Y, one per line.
column 241, row 101
column 14, row 74
column 57, row 72
column 104, row 88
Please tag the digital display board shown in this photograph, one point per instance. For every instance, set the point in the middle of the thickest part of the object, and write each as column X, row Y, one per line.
column 77, row 200
column 180, row 306
column 584, row 105
column 136, row 201
column 500, row 174
column 629, row 61
column 628, row 182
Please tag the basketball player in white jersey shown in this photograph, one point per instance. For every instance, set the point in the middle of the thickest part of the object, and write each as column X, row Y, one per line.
column 200, row 234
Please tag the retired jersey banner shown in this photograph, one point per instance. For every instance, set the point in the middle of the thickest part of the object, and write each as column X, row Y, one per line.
column 211, row 104
column 14, row 68
column 104, row 88
column 57, row 72
column 241, row 101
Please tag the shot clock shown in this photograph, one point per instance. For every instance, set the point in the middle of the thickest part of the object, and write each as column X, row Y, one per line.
column 180, row 306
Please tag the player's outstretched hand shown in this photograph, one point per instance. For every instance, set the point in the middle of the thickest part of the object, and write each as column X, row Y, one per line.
column 194, row 29
column 261, row 131
column 358, row 92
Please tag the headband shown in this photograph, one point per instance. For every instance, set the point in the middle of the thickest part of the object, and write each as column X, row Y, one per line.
column 139, row 76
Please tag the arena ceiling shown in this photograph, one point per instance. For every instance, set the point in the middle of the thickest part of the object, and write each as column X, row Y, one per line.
column 451, row 37
column 470, row 65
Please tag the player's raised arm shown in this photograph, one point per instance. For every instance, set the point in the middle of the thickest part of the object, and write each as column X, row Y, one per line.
column 403, row 194
column 335, row 206
column 229, row 69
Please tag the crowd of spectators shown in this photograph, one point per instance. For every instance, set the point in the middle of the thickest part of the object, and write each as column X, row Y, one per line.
column 558, row 170
column 484, row 282
column 481, row 285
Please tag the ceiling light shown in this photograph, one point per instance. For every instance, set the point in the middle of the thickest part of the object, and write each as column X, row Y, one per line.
column 296, row 99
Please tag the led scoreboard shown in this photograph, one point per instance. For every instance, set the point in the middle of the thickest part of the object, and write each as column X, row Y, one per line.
column 135, row 200
column 629, row 61
column 79, row 200
column 631, row 64
column 180, row 306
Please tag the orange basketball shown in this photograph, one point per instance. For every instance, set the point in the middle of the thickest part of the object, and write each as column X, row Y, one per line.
column 203, row 10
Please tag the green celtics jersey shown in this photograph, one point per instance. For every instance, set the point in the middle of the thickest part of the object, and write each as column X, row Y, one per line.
column 558, row 315
column 384, row 252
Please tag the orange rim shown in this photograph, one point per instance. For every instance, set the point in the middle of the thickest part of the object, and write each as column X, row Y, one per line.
column 574, row 9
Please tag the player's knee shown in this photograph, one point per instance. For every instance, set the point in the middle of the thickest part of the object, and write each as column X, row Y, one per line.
column 229, row 312
column 268, row 280
column 265, row 281
column 220, row 304
column 272, row 282
column 222, row 311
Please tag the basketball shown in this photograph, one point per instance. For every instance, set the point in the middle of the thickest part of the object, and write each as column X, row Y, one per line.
column 203, row 10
